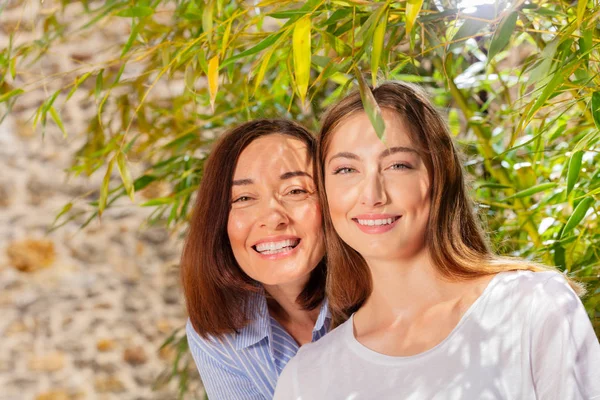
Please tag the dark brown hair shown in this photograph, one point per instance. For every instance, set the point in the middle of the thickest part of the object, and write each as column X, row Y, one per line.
column 216, row 289
column 456, row 241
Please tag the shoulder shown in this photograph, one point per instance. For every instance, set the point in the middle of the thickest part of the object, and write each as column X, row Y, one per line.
column 217, row 347
column 324, row 349
column 546, row 284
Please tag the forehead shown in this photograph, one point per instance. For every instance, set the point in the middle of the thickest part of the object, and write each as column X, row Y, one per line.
column 356, row 133
column 276, row 152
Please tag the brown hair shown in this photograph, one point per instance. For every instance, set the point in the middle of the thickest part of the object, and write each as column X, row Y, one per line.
column 216, row 289
column 456, row 241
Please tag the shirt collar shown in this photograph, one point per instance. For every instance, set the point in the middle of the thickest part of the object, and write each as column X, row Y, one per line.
column 259, row 327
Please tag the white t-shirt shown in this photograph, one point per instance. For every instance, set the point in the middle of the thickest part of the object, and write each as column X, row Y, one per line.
column 526, row 337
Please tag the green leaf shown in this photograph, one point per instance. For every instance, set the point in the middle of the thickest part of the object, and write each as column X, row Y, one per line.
column 13, row 67
column 99, row 84
column 502, row 34
column 578, row 215
column 104, row 187
column 378, row 36
column 158, row 202
column 136, row 11
column 12, row 93
column 532, row 190
column 266, row 42
column 302, row 55
column 143, row 181
column 57, row 120
column 581, row 6
column 125, row 175
column 78, row 82
column 574, row 168
column 207, row 17
column 370, row 105
column 412, row 12
column 62, row 212
column 468, row 29
column 551, row 86
column 134, row 33
column 263, row 68
column 596, row 108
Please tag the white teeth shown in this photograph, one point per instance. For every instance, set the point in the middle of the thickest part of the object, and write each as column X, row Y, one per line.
column 276, row 247
column 374, row 222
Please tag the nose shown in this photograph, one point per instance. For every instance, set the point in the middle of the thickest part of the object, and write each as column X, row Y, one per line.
column 274, row 216
column 373, row 191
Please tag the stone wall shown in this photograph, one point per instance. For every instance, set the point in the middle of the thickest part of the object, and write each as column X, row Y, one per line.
column 83, row 312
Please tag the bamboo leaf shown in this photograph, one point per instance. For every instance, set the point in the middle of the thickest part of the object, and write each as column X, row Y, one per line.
column 370, row 105
column 574, row 168
column 578, row 215
column 104, row 187
column 502, row 34
column 78, row 82
column 596, row 108
column 62, row 212
column 13, row 67
column 266, row 42
column 225, row 40
column 556, row 80
column 134, row 32
column 213, row 80
column 99, row 84
column 468, row 29
column 532, row 190
column 412, row 12
column 378, row 37
column 12, row 93
column 136, row 11
column 581, row 6
column 263, row 68
column 302, row 54
column 125, row 175
column 207, row 17
column 57, row 120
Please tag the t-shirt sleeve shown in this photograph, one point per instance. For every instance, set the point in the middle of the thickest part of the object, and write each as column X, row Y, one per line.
column 565, row 351
column 286, row 384
column 220, row 379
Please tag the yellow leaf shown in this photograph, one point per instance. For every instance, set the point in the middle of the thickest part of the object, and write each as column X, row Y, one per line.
column 226, row 38
column 412, row 12
column 125, row 175
column 104, row 187
column 263, row 68
column 213, row 80
column 302, row 55
column 378, row 36
column 581, row 6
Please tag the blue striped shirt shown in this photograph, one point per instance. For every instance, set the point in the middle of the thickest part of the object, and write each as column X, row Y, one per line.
column 246, row 365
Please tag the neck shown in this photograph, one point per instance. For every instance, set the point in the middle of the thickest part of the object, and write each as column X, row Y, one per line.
column 283, row 306
column 403, row 286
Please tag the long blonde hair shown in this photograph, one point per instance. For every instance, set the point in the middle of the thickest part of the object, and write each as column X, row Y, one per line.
column 457, row 244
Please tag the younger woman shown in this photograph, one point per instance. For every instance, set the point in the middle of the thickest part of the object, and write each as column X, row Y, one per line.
column 432, row 313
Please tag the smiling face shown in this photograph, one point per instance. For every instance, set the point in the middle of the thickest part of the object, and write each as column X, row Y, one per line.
column 378, row 193
column 274, row 225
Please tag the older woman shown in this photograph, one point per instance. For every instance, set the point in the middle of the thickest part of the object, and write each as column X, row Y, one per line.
column 430, row 312
column 252, row 268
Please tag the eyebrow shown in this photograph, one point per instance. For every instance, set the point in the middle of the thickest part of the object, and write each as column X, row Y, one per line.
column 284, row 176
column 387, row 152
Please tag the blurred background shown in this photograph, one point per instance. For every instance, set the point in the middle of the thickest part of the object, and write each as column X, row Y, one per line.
column 109, row 108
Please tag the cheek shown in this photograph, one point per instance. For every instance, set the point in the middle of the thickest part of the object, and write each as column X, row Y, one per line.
column 340, row 198
column 309, row 215
column 238, row 227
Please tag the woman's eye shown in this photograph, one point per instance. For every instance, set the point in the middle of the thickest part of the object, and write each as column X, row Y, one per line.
column 297, row 191
column 343, row 170
column 400, row 166
column 242, row 199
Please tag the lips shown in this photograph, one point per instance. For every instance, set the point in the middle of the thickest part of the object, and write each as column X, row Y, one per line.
column 376, row 223
column 276, row 246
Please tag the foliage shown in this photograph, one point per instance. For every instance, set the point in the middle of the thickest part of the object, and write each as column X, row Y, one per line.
column 519, row 82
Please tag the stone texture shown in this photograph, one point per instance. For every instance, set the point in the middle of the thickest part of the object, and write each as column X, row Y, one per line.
column 84, row 312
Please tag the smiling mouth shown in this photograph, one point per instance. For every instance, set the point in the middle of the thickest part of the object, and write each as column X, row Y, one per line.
column 376, row 222
column 269, row 248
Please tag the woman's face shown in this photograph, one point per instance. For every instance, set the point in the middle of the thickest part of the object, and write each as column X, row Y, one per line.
column 378, row 191
column 274, row 225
